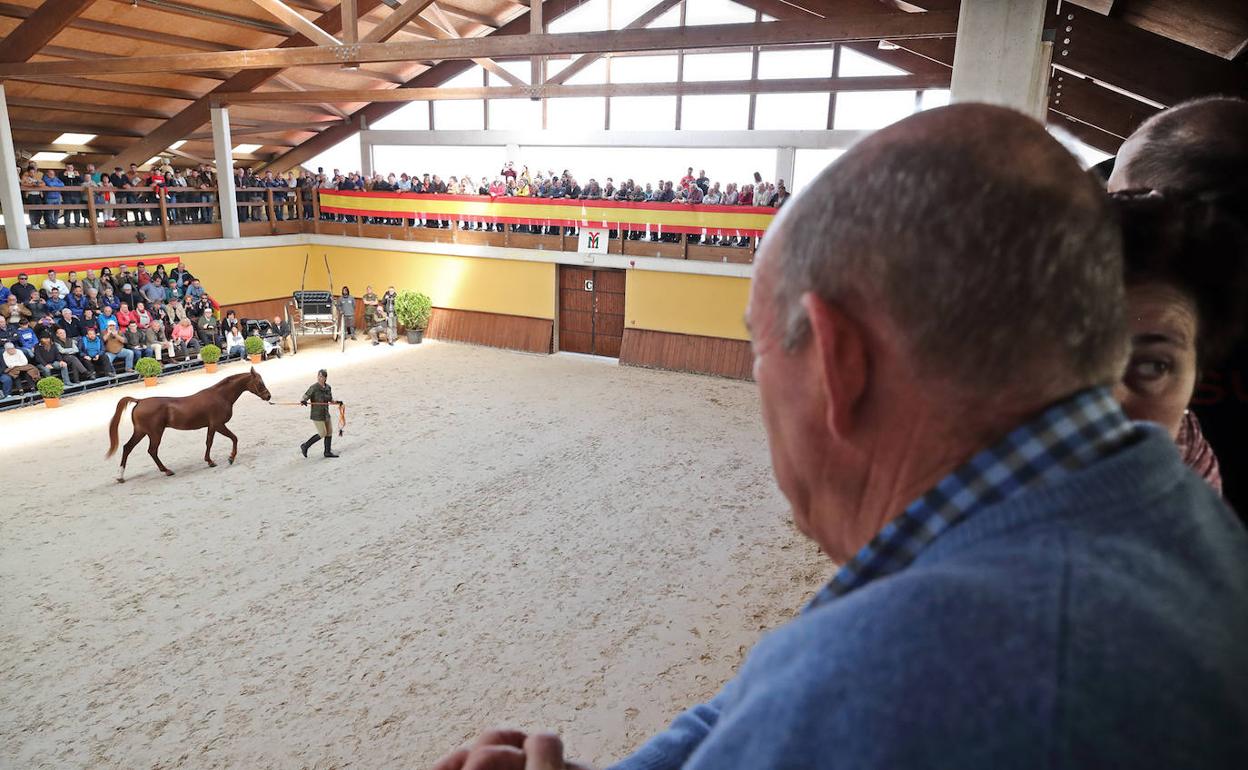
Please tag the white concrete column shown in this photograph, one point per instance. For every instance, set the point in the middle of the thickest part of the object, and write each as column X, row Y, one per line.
column 1000, row 57
column 786, row 162
column 224, row 149
column 513, row 154
column 10, row 193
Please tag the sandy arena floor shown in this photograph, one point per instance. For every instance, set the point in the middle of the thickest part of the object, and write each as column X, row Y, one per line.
column 545, row 542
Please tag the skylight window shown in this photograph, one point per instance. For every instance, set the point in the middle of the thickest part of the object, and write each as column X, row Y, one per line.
column 74, row 138
column 178, row 144
column 49, row 157
column 244, row 148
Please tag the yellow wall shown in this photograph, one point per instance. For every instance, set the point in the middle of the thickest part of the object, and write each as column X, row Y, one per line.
column 706, row 305
column 462, row 283
column 249, row 275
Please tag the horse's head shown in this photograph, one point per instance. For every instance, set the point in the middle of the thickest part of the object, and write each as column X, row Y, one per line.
column 255, row 383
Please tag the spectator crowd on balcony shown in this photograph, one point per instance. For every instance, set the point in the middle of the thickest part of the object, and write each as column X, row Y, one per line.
column 69, row 198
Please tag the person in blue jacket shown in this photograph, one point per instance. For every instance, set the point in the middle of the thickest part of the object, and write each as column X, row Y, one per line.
column 1027, row 579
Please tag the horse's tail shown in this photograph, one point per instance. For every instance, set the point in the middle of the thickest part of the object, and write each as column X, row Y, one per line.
column 112, row 426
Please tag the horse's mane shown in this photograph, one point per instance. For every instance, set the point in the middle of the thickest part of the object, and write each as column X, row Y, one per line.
column 233, row 378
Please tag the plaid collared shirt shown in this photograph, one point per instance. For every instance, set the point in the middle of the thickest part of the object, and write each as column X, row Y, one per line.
column 1068, row 436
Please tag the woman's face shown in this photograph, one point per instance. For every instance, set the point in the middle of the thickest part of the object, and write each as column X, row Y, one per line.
column 1161, row 374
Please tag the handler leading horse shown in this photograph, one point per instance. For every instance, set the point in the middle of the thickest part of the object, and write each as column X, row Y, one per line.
column 210, row 408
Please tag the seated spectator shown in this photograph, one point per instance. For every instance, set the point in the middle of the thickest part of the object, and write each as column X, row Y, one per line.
column 50, row 363
column 381, row 325
column 136, row 342
column 7, row 333
column 89, row 318
column 5, row 293
column 127, row 295
column 92, row 281
column 746, row 198
column 93, row 356
column 126, row 316
column 109, row 299
column 36, row 308
column 26, row 337
column 68, row 350
column 77, row 301
column 281, row 331
column 174, row 312
column 142, row 315
column 23, row 289
column 6, row 383
column 196, row 289
column 107, row 317
column 52, row 282
column 160, row 344
column 17, row 366
column 153, row 292
column 115, row 347
column 183, row 336
column 234, row 343
column 71, row 326
column 172, row 290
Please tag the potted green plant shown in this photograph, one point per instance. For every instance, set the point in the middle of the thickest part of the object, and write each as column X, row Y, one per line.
column 210, row 354
column 254, row 347
column 51, row 388
column 413, row 310
column 149, row 369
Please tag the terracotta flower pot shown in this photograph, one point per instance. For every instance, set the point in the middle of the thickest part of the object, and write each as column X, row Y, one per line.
column 52, row 403
column 149, row 382
column 255, row 358
column 210, row 368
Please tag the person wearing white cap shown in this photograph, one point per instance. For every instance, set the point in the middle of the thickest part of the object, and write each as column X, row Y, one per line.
column 18, row 368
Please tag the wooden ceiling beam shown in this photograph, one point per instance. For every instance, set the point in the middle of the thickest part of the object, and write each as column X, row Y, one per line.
column 297, row 21
column 211, row 15
column 75, row 105
column 892, row 26
column 463, row 13
column 112, row 87
column 397, row 19
column 196, row 114
column 642, row 21
column 72, row 149
column 1087, row 102
column 350, row 22
column 1089, row 135
column 293, row 86
column 700, row 88
column 1141, row 62
column 57, row 127
column 493, row 67
column 38, row 29
column 120, row 30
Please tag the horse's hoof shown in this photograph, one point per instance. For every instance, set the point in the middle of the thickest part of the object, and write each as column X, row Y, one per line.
column 231, row 461
column 211, row 464
column 168, row 473
column 121, row 481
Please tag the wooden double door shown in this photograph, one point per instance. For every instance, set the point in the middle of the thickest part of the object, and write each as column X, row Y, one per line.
column 591, row 310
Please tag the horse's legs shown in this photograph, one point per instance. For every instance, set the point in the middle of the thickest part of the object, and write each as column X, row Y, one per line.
column 135, row 438
column 153, row 444
column 224, row 431
column 208, row 449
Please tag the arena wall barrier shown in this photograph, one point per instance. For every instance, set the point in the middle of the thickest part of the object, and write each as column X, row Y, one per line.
column 683, row 321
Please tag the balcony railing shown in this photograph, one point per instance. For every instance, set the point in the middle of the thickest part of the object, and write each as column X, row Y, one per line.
column 93, row 215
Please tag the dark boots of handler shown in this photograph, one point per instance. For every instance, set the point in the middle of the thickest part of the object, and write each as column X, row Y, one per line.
column 329, row 445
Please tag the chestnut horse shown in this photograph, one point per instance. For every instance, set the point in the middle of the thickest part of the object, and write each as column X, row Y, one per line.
column 210, row 408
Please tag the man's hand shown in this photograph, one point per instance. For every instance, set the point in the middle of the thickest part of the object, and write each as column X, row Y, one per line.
column 510, row 750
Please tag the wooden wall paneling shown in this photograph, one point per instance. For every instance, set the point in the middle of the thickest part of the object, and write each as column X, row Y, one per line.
column 687, row 353
column 493, row 329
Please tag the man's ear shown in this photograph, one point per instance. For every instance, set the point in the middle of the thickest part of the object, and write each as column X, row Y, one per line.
column 840, row 348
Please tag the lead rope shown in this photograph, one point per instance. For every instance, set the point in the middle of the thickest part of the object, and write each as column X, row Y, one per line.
column 342, row 410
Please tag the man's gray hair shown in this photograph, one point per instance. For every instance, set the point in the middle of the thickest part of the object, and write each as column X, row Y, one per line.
column 978, row 234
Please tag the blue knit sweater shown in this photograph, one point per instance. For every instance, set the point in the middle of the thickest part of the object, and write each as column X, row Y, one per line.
column 1100, row 621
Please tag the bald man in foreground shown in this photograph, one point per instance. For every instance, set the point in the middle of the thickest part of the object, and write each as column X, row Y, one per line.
column 1029, row 580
